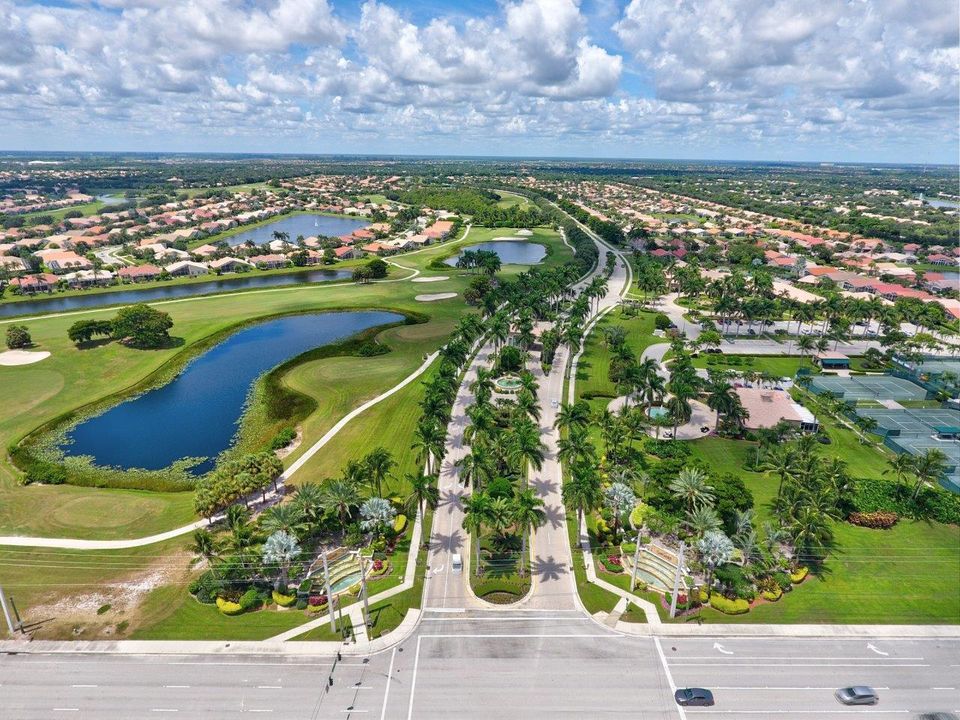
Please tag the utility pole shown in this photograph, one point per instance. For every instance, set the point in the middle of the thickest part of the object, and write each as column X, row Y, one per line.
column 676, row 580
column 363, row 591
column 6, row 611
column 326, row 579
column 636, row 561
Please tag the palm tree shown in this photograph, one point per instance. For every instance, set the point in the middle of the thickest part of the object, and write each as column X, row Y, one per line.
column 282, row 549
column 783, row 461
column 340, row 496
column 928, row 468
column 425, row 439
column 582, row 493
column 498, row 515
column 205, row 547
column 811, row 534
column 309, row 500
column 715, row 549
column 805, row 345
column 691, row 486
column 423, row 492
column 379, row 462
column 526, row 448
column 285, row 518
column 476, row 509
column 575, row 447
column 679, row 406
column 620, row 499
column 527, row 515
column 570, row 416
column 900, row 466
column 722, row 398
column 701, row 520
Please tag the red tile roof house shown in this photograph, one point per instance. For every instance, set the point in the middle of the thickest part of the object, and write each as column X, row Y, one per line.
column 362, row 234
column 229, row 264
column 440, row 229
column 376, row 248
column 939, row 259
column 271, row 261
column 911, row 248
column 139, row 272
column 61, row 261
column 346, row 252
column 659, row 253
column 205, row 250
column 891, row 292
column 29, row 284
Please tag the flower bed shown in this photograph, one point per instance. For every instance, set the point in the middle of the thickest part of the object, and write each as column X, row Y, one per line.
column 879, row 520
column 612, row 563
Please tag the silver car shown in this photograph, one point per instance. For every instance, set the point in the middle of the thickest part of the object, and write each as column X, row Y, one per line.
column 857, row 695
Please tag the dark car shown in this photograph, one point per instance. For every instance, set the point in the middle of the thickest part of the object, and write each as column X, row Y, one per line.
column 857, row 695
column 693, row 697
column 937, row 716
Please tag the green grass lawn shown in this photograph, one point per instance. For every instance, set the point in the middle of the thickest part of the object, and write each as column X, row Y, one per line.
column 90, row 208
column 594, row 366
column 779, row 365
column 509, row 199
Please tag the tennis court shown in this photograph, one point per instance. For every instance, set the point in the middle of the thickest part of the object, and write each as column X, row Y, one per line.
column 868, row 387
column 919, row 421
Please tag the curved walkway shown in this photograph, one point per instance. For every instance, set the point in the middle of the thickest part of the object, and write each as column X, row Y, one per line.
column 77, row 544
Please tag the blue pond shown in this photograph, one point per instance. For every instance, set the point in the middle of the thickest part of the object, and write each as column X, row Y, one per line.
column 511, row 252
column 305, row 225
column 197, row 414
column 159, row 291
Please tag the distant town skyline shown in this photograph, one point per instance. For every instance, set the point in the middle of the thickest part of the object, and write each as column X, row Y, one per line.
column 823, row 81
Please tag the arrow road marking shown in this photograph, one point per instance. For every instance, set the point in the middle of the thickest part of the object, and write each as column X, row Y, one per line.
column 876, row 650
column 718, row 646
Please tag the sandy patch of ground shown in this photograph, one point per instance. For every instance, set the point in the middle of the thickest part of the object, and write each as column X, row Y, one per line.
column 284, row 451
column 435, row 296
column 524, row 232
column 76, row 615
column 437, row 278
column 22, row 357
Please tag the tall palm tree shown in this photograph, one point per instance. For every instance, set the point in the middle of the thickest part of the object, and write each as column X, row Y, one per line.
column 691, row 486
column 423, row 493
column 525, row 446
column 527, row 514
column 205, row 546
column 379, row 462
column 781, row 460
column 582, row 493
column 811, row 534
column 282, row 549
column 701, row 520
column 476, row 508
column 341, row 497
column 282, row 518
column 570, row 416
column 900, row 467
column 679, row 405
column 928, row 468
column 309, row 500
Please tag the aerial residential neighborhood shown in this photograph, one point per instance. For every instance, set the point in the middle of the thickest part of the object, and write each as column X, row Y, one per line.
column 524, row 359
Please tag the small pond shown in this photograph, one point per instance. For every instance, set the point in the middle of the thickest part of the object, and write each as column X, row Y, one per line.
column 657, row 411
column 511, row 252
column 197, row 414
column 147, row 292
column 295, row 225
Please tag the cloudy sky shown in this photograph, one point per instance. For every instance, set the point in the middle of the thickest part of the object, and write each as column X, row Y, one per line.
column 860, row 80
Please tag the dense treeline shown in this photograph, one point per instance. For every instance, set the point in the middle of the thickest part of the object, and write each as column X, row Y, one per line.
column 480, row 204
column 610, row 232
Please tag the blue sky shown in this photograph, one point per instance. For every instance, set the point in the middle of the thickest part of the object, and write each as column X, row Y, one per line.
column 842, row 80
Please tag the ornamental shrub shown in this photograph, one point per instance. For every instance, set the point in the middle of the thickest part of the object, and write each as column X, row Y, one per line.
column 283, row 438
column 871, row 495
column 772, row 595
column 878, row 520
column 283, row 600
column 799, row 576
column 250, row 600
column 727, row 606
column 399, row 523
column 783, row 581
column 228, row 608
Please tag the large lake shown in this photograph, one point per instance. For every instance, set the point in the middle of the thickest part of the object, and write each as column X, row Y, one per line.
column 511, row 252
column 295, row 225
column 197, row 414
column 148, row 292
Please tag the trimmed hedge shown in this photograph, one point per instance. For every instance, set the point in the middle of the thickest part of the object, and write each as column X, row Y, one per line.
column 283, row 600
column 878, row 520
column 772, row 595
column 931, row 504
column 799, row 576
column 727, row 606
column 229, row 608
column 400, row 523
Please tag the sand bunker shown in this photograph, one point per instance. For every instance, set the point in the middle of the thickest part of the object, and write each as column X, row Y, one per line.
column 437, row 278
column 524, row 232
column 22, row 357
column 435, row 296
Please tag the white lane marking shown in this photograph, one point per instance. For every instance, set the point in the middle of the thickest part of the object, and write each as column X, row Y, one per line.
column 879, row 661
column 739, row 664
column 269, row 687
column 386, row 692
column 260, row 710
column 787, row 688
column 943, row 688
column 609, row 636
column 176, row 686
column 718, row 646
column 164, row 710
column 877, row 650
column 508, row 619
column 443, row 610
column 83, row 686
column 66, row 709
column 873, row 711
column 666, row 670
column 413, row 683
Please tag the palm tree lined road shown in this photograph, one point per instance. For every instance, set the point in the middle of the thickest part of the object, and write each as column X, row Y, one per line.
column 446, row 589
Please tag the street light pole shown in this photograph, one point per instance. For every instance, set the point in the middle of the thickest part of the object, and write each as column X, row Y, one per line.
column 363, row 591
column 326, row 579
column 636, row 561
column 676, row 580
column 6, row 611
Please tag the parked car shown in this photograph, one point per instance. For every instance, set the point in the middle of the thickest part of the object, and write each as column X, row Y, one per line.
column 937, row 716
column 857, row 695
column 693, row 697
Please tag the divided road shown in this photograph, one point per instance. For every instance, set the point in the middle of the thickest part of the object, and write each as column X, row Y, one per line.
column 493, row 665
